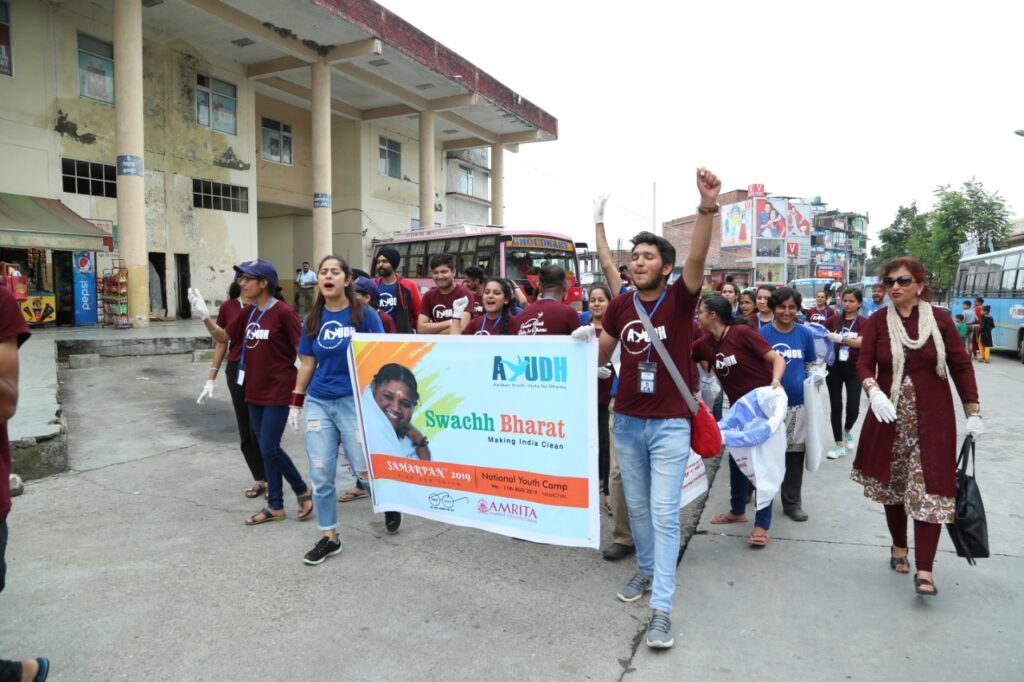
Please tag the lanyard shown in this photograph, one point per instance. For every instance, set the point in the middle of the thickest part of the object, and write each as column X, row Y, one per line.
column 762, row 325
column 853, row 323
column 636, row 304
column 270, row 305
column 494, row 328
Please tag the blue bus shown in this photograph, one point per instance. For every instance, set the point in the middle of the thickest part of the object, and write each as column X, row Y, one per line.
column 997, row 277
column 810, row 286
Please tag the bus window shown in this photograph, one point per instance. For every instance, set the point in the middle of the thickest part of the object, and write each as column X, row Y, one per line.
column 1009, row 272
column 483, row 259
column 468, row 245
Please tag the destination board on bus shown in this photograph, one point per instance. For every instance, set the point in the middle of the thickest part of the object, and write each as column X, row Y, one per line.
column 541, row 243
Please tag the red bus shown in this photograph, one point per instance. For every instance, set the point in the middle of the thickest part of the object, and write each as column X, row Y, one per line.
column 515, row 254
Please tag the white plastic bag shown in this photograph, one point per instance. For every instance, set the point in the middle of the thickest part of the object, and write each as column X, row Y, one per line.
column 695, row 480
column 764, row 466
column 817, row 434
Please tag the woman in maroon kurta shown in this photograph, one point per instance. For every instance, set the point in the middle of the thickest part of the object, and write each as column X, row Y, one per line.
column 906, row 457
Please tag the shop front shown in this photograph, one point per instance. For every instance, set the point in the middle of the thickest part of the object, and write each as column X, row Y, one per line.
column 48, row 257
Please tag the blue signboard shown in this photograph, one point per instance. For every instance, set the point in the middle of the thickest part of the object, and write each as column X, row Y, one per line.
column 84, row 266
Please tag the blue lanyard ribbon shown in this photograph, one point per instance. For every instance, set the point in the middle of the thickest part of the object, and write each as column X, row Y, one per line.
column 639, row 310
column 245, row 332
column 494, row 328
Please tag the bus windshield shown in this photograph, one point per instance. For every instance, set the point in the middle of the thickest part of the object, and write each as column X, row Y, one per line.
column 521, row 263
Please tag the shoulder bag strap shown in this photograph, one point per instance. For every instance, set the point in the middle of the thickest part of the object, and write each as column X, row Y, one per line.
column 655, row 340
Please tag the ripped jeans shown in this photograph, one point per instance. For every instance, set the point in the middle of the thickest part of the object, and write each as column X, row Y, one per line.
column 330, row 423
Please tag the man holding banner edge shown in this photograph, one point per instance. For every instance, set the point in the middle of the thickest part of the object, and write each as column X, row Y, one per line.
column 652, row 421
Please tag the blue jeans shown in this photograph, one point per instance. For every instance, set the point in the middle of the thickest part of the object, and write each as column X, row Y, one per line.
column 739, row 486
column 268, row 422
column 652, row 456
column 330, row 423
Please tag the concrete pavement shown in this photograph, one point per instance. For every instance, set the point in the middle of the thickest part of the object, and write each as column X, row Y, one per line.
column 136, row 565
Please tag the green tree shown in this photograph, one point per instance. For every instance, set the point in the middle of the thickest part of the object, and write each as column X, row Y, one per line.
column 895, row 238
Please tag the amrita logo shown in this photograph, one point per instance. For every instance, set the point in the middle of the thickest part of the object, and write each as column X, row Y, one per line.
column 634, row 337
column 254, row 334
column 532, row 368
column 332, row 334
column 510, row 510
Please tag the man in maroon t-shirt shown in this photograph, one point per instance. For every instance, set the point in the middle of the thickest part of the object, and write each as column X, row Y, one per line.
column 13, row 332
column 652, row 420
column 548, row 315
column 440, row 304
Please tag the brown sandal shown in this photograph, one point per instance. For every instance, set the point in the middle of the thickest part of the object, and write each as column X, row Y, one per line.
column 304, row 512
column 898, row 563
column 756, row 539
column 727, row 517
column 255, row 490
column 264, row 515
column 921, row 582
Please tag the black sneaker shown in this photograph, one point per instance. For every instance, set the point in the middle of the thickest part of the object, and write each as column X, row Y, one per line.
column 324, row 548
column 392, row 521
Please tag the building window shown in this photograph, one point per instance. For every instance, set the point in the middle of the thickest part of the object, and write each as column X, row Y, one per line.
column 277, row 141
column 88, row 177
column 95, row 69
column 390, row 158
column 465, row 180
column 6, row 60
column 216, row 104
column 219, row 196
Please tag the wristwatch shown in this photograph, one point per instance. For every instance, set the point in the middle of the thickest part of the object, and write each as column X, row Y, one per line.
column 422, row 444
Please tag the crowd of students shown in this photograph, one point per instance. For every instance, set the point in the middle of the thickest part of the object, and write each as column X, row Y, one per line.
column 285, row 371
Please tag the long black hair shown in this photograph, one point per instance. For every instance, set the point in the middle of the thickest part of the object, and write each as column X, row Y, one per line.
column 356, row 306
column 234, row 290
column 507, row 310
column 720, row 306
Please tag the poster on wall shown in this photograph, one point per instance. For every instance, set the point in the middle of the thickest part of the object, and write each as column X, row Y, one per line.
column 84, row 265
column 771, row 218
column 510, row 432
column 770, row 273
column 6, row 63
column 798, row 220
column 95, row 77
column 736, row 225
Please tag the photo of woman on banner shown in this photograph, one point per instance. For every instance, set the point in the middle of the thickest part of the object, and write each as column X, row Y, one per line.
column 388, row 403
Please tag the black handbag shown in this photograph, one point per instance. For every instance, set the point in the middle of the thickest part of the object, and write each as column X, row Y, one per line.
column 969, row 530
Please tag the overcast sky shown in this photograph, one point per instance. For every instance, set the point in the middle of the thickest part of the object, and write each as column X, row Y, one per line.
column 869, row 105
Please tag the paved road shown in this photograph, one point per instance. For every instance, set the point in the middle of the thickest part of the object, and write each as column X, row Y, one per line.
column 135, row 565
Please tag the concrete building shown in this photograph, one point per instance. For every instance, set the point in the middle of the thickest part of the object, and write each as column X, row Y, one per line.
column 840, row 238
column 679, row 232
column 195, row 134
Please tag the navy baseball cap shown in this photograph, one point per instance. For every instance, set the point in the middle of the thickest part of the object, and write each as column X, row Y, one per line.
column 260, row 269
column 367, row 287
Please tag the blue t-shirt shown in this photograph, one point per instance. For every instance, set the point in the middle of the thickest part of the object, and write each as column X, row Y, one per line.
column 388, row 297
column 330, row 348
column 796, row 347
column 585, row 317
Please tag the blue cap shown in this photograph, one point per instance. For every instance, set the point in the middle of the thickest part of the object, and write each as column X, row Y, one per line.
column 260, row 269
column 367, row 287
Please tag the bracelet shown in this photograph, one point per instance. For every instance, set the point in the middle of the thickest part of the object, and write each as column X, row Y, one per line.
column 869, row 384
column 422, row 444
column 215, row 369
column 297, row 399
column 972, row 409
column 704, row 210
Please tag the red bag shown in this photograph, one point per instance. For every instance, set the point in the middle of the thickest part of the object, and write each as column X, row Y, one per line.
column 705, row 436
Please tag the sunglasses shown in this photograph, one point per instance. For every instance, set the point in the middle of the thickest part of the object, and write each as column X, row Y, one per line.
column 902, row 280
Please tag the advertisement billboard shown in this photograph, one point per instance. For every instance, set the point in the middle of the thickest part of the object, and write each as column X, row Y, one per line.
column 737, row 220
column 798, row 220
column 771, row 218
column 84, row 266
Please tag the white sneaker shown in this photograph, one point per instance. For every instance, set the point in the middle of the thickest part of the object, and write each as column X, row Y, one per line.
column 836, row 452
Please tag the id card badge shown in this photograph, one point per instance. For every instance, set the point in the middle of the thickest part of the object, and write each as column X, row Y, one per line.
column 844, row 353
column 241, row 376
column 647, row 377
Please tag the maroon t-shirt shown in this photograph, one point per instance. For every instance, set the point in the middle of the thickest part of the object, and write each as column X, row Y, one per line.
column 437, row 307
column 820, row 315
column 604, row 386
column 12, row 325
column 389, row 324
column 229, row 310
column 673, row 320
column 851, row 328
column 548, row 316
column 269, row 352
column 476, row 306
column 737, row 360
column 481, row 326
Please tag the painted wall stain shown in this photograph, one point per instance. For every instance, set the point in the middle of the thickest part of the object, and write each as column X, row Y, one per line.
column 229, row 160
column 70, row 128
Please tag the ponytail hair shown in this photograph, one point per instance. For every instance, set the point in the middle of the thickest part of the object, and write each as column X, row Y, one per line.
column 356, row 307
column 507, row 310
column 721, row 308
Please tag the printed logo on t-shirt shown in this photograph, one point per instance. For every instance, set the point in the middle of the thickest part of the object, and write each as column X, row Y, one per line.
column 788, row 353
column 634, row 337
column 724, row 363
column 332, row 333
column 254, row 334
column 441, row 312
column 533, row 326
column 387, row 301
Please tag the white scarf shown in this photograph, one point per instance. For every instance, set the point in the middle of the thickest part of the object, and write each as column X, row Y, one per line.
column 899, row 338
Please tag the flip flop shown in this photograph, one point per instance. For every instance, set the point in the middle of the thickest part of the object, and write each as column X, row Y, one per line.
column 353, row 494
column 920, row 582
column 44, row 669
column 303, row 499
column 255, row 490
column 896, row 563
column 723, row 519
column 756, row 539
column 263, row 516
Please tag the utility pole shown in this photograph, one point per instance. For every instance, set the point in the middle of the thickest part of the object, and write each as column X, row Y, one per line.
column 654, row 207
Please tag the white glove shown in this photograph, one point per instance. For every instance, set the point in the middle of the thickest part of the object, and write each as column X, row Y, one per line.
column 604, row 372
column 883, row 408
column 293, row 418
column 207, row 392
column 835, row 338
column 459, row 306
column 599, row 204
column 584, row 333
column 975, row 427
column 198, row 304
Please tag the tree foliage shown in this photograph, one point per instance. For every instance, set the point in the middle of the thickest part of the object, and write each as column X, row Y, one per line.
column 935, row 237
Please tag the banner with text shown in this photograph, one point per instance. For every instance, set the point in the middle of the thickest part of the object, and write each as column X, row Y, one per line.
column 500, row 436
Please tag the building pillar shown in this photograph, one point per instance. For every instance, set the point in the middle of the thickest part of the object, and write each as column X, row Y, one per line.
column 497, row 184
column 323, row 237
column 426, row 170
column 131, row 176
